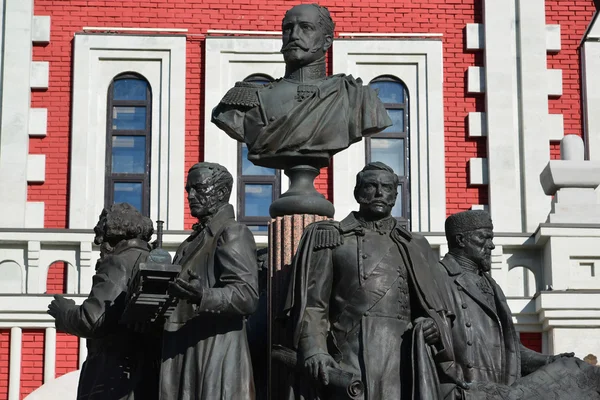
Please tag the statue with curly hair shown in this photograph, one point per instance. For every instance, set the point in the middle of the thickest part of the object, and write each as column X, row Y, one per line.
column 121, row 364
column 205, row 353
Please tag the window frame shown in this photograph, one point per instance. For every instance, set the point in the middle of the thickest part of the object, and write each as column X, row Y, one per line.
column 403, row 180
column 243, row 180
column 110, row 177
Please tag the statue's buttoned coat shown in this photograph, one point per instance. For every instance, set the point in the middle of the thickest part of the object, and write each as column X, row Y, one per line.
column 205, row 348
column 354, row 294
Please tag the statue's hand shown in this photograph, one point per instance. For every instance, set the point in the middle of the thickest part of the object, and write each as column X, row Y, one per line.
column 190, row 290
column 431, row 333
column 553, row 358
column 317, row 367
column 59, row 303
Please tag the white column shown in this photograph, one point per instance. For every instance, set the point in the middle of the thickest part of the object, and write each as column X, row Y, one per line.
column 502, row 115
column 14, row 369
column 49, row 355
column 82, row 351
column 534, row 109
column 14, row 114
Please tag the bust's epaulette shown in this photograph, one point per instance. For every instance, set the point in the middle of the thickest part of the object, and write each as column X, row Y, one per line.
column 242, row 94
column 327, row 235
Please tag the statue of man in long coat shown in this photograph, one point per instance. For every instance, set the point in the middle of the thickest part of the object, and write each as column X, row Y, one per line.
column 205, row 352
column 489, row 355
column 358, row 287
column 122, row 363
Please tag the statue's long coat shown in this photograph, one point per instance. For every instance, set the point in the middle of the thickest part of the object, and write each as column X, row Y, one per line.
column 121, row 364
column 205, row 348
column 334, row 268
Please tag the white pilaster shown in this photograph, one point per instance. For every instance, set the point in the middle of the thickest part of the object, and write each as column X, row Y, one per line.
column 502, row 115
column 535, row 141
column 49, row 355
column 14, row 114
column 14, row 367
column 82, row 351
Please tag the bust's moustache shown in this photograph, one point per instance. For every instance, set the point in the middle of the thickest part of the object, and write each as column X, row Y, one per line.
column 294, row 45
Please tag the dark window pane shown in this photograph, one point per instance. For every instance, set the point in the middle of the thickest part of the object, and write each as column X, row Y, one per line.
column 390, row 152
column 129, row 154
column 258, row 228
column 129, row 192
column 397, row 210
column 389, row 92
column 250, row 169
column 257, row 199
column 130, row 89
column 129, row 118
column 397, row 117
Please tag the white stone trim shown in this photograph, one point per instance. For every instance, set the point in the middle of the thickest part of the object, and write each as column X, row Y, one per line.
column 477, row 124
column 478, row 171
column 40, row 71
column 15, row 104
column 49, row 354
column 553, row 42
column 476, row 80
column 554, row 77
column 14, row 368
column 36, row 168
column 229, row 60
column 419, row 63
column 475, row 37
column 590, row 83
column 34, row 214
column 38, row 122
column 501, row 94
column 533, row 105
column 82, row 351
column 161, row 59
column 555, row 126
column 41, row 29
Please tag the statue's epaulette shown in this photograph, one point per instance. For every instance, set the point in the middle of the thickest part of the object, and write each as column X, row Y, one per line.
column 327, row 236
column 243, row 94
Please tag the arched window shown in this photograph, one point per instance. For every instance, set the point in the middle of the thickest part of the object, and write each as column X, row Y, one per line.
column 258, row 187
column 392, row 145
column 128, row 142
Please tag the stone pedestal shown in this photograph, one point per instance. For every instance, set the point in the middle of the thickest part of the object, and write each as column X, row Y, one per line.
column 284, row 236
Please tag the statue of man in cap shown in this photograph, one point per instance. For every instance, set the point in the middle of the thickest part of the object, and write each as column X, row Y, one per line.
column 306, row 116
column 488, row 353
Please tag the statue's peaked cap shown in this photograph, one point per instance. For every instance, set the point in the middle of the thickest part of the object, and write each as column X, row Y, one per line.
column 467, row 221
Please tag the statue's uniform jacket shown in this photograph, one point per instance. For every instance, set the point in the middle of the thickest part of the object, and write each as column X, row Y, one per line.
column 205, row 348
column 293, row 118
column 121, row 364
column 367, row 286
column 486, row 344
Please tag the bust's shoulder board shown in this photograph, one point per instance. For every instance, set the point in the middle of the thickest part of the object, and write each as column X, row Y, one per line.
column 243, row 94
column 327, row 235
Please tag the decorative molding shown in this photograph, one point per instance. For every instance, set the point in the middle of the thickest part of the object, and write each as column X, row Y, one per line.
column 97, row 60
column 40, row 32
column 476, row 80
column 38, row 122
column 553, row 42
column 477, row 124
column 478, row 171
column 555, row 81
column 36, row 168
column 34, row 214
column 555, row 126
column 40, row 71
column 475, row 37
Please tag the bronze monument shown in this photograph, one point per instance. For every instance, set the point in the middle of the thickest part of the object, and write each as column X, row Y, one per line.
column 205, row 353
column 298, row 122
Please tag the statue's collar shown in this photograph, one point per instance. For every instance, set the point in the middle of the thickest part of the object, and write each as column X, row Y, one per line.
column 466, row 264
column 215, row 220
column 353, row 222
column 311, row 72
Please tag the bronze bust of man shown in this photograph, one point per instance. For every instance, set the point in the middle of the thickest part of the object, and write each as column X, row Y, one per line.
column 305, row 114
column 306, row 117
